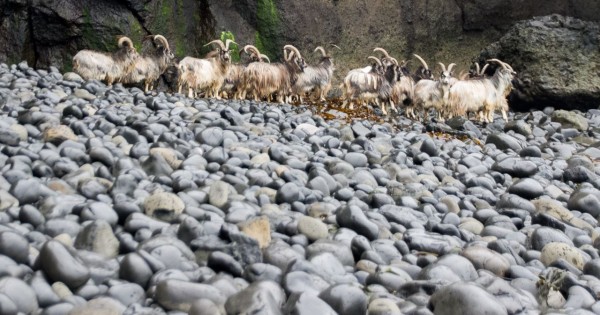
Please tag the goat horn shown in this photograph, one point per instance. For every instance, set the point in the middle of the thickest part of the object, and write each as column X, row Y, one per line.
column 500, row 62
column 422, row 61
column 294, row 49
column 443, row 67
column 509, row 66
column 162, row 40
column 336, row 46
column 394, row 60
column 253, row 49
column 382, row 51
column 484, row 68
column 124, row 40
column 477, row 67
column 219, row 42
column 376, row 60
column 263, row 56
column 450, row 66
column 229, row 42
column 322, row 50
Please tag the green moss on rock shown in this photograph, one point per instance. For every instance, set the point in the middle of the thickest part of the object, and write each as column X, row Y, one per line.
column 267, row 28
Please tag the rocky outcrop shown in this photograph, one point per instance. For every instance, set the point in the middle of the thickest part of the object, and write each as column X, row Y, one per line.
column 50, row 31
column 557, row 60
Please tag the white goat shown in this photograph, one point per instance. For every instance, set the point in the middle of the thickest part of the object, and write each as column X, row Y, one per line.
column 150, row 67
column 205, row 74
column 431, row 94
column 484, row 95
column 109, row 67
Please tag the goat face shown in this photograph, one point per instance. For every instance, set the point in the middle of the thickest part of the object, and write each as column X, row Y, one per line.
column 424, row 73
column 445, row 77
column 300, row 63
column 225, row 56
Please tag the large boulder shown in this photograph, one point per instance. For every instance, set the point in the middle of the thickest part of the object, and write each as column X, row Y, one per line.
column 554, row 57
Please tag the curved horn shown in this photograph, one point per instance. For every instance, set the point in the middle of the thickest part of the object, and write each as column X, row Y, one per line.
column 252, row 49
column 509, row 66
column 228, row 42
column 124, row 40
column 394, row 60
column 219, row 42
column 162, row 40
column 484, row 68
column 450, row 66
column 500, row 62
column 422, row 61
column 376, row 60
column 443, row 67
column 262, row 56
column 294, row 49
column 382, row 51
column 477, row 69
column 336, row 46
column 322, row 50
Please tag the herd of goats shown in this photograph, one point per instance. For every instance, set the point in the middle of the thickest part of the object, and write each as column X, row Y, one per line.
column 385, row 82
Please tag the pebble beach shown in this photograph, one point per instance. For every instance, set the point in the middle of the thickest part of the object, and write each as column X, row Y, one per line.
column 116, row 201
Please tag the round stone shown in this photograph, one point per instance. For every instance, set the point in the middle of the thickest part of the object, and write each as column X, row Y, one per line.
column 554, row 251
column 465, row 298
column 313, row 228
column 164, row 206
column 61, row 265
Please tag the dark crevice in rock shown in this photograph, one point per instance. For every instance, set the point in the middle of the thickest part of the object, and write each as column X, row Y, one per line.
column 136, row 14
column 34, row 46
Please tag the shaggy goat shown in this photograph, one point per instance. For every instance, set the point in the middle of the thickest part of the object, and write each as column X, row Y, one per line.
column 369, row 84
column 315, row 78
column 484, row 95
column 109, row 67
column 431, row 94
column 205, row 74
column 265, row 79
column 233, row 84
column 149, row 67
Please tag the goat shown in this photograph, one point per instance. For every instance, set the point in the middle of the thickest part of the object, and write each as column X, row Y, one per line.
column 315, row 78
column 430, row 94
column 409, row 81
column 209, row 73
column 403, row 90
column 368, row 84
column 109, row 67
column 265, row 79
column 234, row 78
column 150, row 67
column 483, row 95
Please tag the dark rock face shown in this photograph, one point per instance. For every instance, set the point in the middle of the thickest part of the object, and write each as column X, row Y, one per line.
column 552, row 56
